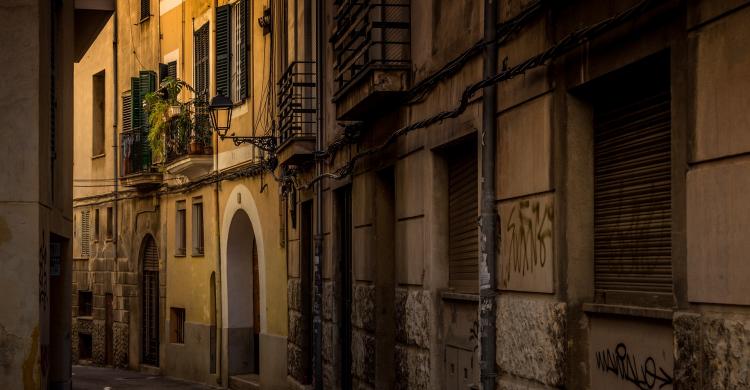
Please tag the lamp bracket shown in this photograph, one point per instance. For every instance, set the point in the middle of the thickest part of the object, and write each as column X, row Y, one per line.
column 265, row 143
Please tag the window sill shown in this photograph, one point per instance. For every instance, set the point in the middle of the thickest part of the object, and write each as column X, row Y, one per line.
column 108, row 239
column 146, row 19
column 85, row 318
column 630, row 311
column 80, row 258
column 98, row 156
column 448, row 295
column 198, row 254
column 180, row 255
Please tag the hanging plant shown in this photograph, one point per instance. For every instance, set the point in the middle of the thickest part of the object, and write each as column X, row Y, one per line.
column 164, row 111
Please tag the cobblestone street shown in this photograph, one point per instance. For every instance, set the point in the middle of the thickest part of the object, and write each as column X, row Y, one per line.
column 101, row 378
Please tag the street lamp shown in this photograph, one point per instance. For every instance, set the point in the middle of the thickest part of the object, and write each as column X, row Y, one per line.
column 220, row 111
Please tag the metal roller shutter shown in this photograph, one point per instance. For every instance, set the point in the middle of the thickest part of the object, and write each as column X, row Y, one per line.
column 463, row 244
column 632, row 195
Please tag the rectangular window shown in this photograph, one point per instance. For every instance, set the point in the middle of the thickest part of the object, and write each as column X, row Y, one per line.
column 145, row 9
column 97, row 117
column 632, row 186
column 197, row 227
column 109, row 223
column 201, row 70
column 177, row 325
column 96, row 225
column 180, row 229
column 463, row 210
column 85, row 303
column 85, row 233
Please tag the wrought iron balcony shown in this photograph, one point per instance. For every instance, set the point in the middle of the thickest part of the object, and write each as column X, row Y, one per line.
column 188, row 148
column 297, row 110
column 371, row 45
column 136, row 167
column 194, row 139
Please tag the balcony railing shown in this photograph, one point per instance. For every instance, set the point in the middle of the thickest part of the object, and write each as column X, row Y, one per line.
column 297, row 101
column 370, row 34
column 182, row 140
column 135, row 153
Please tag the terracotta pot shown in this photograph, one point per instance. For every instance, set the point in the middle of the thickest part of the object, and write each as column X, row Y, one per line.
column 195, row 147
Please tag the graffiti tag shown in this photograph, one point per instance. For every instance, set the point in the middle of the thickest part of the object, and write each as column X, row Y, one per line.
column 644, row 376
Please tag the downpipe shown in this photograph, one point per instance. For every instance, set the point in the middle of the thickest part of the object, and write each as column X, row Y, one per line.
column 317, row 260
column 488, row 215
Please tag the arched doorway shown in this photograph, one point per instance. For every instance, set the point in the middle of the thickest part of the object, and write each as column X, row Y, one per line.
column 243, row 320
column 149, row 302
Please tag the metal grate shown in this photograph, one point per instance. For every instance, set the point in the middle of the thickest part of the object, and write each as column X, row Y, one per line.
column 369, row 34
column 297, row 101
column 632, row 196
column 150, row 306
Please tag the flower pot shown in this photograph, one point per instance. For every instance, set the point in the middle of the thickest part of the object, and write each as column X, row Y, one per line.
column 173, row 111
column 195, row 147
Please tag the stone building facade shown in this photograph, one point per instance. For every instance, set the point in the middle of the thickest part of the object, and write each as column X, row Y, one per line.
column 619, row 126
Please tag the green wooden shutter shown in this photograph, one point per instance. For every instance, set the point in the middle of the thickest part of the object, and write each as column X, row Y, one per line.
column 243, row 49
column 223, row 38
column 201, row 68
column 137, row 103
column 145, row 9
column 163, row 72
column 172, row 69
column 147, row 84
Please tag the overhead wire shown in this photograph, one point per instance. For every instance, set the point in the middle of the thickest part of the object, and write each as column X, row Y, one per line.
column 565, row 45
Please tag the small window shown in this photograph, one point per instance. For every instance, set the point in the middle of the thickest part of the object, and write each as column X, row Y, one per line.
column 109, row 223
column 197, row 227
column 180, row 229
column 177, row 325
column 97, row 118
column 96, row 225
column 145, row 9
column 85, row 302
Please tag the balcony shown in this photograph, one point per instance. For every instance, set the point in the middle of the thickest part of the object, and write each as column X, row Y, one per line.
column 371, row 46
column 297, row 108
column 136, row 168
column 188, row 149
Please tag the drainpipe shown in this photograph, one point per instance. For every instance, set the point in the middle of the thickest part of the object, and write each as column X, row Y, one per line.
column 488, row 216
column 317, row 262
column 115, row 148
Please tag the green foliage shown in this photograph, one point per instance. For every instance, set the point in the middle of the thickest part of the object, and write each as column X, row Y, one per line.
column 158, row 104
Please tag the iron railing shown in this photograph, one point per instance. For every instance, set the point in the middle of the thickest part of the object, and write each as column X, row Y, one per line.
column 369, row 34
column 179, row 137
column 297, row 101
column 135, row 152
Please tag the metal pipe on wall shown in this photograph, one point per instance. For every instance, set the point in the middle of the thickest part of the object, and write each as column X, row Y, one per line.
column 488, row 215
column 115, row 146
column 317, row 262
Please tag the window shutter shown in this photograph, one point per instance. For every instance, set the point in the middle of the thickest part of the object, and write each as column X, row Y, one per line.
column 201, row 69
column 632, row 195
column 243, row 49
column 172, row 69
column 147, row 84
column 127, row 113
column 85, row 233
column 223, row 38
column 137, row 103
column 463, row 209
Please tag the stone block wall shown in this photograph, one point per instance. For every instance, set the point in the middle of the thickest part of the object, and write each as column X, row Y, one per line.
column 295, row 342
column 531, row 342
column 412, row 359
column 363, row 336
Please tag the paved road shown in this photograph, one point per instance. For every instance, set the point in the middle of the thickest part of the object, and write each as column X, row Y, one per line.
column 99, row 378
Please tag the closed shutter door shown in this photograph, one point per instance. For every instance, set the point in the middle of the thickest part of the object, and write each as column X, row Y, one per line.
column 150, row 285
column 463, row 249
column 172, row 69
column 200, row 76
column 146, row 84
column 632, row 199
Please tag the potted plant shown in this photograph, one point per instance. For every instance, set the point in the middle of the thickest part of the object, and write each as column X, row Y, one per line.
column 165, row 110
